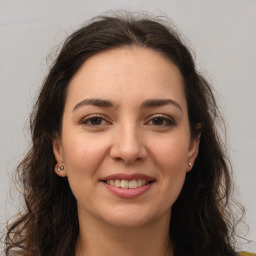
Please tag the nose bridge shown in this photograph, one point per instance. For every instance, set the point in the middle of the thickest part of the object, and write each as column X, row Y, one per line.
column 128, row 143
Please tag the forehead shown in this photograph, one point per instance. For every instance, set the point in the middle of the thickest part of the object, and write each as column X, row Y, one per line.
column 127, row 73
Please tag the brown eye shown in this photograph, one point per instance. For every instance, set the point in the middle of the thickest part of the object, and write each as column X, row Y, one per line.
column 161, row 121
column 158, row 121
column 95, row 121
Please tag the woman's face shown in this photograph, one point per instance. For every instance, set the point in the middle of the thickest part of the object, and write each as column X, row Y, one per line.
column 125, row 141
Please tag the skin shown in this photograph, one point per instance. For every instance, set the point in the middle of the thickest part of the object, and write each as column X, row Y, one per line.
column 125, row 138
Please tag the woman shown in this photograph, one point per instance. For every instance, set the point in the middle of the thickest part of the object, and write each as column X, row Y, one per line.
column 126, row 158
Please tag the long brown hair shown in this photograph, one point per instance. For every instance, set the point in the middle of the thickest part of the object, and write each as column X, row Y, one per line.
column 201, row 222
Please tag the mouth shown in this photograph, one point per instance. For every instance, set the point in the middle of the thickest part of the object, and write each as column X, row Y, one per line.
column 130, row 184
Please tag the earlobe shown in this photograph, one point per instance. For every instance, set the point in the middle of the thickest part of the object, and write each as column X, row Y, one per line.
column 60, row 171
column 59, row 157
column 190, row 166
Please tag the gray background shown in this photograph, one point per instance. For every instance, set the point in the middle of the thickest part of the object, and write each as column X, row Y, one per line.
column 222, row 34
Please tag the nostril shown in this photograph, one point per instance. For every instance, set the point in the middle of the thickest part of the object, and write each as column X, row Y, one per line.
column 128, row 154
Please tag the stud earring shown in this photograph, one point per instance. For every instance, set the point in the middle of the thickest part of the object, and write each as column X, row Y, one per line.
column 59, row 169
column 190, row 164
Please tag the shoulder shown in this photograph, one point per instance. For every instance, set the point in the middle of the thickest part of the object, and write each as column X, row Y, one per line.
column 246, row 254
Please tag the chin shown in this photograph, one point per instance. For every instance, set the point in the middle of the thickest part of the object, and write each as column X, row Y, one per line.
column 127, row 222
column 129, row 218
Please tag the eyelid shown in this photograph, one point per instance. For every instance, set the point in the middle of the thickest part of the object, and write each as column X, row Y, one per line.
column 166, row 118
column 90, row 117
column 169, row 121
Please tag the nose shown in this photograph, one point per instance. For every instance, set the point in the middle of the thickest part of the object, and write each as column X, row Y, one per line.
column 128, row 145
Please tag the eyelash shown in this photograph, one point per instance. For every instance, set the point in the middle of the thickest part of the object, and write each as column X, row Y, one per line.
column 164, row 121
column 87, row 121
column 167, row 121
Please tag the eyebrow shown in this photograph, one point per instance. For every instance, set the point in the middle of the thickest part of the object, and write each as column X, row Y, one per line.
column 159, row 102
column 95, row 102
column 150, row 103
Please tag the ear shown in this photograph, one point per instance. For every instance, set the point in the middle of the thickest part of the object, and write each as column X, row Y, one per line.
column 193, row 150
column 59, row 156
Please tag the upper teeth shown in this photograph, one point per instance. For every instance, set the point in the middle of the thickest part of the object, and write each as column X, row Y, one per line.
column 127, row 183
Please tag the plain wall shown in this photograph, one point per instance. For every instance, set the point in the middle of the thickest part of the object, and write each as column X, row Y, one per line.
column 222, row 34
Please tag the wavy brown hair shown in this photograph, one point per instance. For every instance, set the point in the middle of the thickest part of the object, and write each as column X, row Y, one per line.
column 201, row 222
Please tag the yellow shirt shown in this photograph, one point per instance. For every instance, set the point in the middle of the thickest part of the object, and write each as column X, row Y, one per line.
column 246, row 254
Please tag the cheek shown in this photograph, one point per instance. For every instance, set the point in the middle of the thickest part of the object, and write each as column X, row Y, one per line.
column 173, row 166
column 170, row 156
column 83, row 153
column 83, row 156
column 171, row 153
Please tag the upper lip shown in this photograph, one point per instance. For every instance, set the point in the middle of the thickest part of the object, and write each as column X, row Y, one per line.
column 124, row 176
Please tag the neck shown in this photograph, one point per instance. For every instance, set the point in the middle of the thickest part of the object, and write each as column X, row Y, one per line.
column 102, row 239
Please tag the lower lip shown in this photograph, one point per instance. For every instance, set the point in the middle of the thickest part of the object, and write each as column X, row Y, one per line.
column 129, row 192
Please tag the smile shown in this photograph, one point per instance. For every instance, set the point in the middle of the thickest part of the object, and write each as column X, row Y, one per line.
column 131, row 184
column 128, row 186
